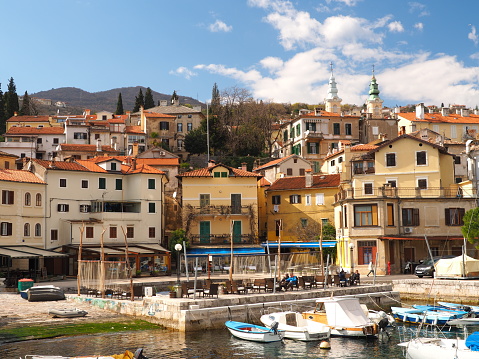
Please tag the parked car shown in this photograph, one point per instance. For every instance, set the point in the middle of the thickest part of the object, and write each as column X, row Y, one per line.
column 426, row 266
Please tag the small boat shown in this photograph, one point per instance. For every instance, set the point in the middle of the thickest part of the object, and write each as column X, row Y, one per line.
column 344, row 316
column 67, row 313
column 254, row 332
column 425, row 314
column 438, row 348
column 43, row 293
column 138, row 354
column 467, row 308
column 296, row 327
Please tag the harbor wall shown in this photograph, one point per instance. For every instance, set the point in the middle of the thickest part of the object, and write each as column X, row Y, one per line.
column 188, row 315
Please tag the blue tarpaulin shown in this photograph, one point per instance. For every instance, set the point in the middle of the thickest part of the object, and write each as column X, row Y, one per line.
column 197, row 252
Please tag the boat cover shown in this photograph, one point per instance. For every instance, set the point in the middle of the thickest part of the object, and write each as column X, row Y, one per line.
column 472, row 342
column 345, row 312
column 454, row 267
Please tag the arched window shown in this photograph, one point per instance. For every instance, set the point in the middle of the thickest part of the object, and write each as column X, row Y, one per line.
column 26, row 230
column 38, row 200
column 38, row 230
column 28, row 199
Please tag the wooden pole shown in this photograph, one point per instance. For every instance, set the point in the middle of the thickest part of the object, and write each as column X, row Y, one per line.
column 321, row 248
column 132, row 295
column 102, row 265
column 231, row 258
column 79, row 260
column 278, row 263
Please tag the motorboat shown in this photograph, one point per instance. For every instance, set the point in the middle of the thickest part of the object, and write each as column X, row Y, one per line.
column 138, row 354
column 43, row 293
column 296, row 327
column 425, row 314
column 67, row 313
column 473, row 309
column 255, row 333
column 344, row 316
column 438, row 348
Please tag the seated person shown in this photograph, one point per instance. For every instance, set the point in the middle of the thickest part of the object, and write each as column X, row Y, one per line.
column 284, row 282
column 355, row 278
column 292, row 281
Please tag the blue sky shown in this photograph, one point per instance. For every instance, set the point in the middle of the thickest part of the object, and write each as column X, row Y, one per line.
column 423, row 51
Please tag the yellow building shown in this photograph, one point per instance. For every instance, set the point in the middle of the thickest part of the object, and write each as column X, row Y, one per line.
column 297, row 207
column 220, row 203
column 392, row 198
column 7, row 160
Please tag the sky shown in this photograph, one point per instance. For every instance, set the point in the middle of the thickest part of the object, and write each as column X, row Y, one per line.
column 281, row 51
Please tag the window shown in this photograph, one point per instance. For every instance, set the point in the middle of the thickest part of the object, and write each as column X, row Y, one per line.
column 422, row 183
column 189, row 126
column 390, row 159
column 454, row 216
column 113, row 166
column 410, row 216
column 89, row 232
column 118, row 184
column 235, row 203
column 319, row 199
column 39, row 140
column 289, row 171
column 278, row 226
column 113, row 232
column 80, row 135
column 151, row 183
column 85, row 208
column 295, row 199
column 312, row 148
column 453, row 131
column 101, row 183
column 151, row 207
column 348, row 129
column 190, row 116
column 421, row 158
column 63, row 182
column 26, row 230
column 366, row 251
column 164, row 126
column 304, row 222
column 345, row 217
column 204, row 199
column 179, row 127
column 130, row 232
column 457, row 160
column 390, row 209
column 61, row 207
column 336, row 129
column 310, row 126
column 54, row 235
column 84, row 184
column 276, row 199
column 6, row 228
column 368, row 188
column 365, row 215
column 38, row 199
column 28, row 199
column 6, row 165
column 392, row 183
column 301, row 171
column 218, row 174
column 151, row 232
column 307, row 199
column 7, row 197
column 38, row 230
column 55, row 141
column 97, row 136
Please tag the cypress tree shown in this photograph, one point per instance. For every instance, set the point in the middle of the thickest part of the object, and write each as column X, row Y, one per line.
column 3, row 126
column 11, row 99
column 215, row 99
column 139, row 101
column 149, row 103
column 25, row 110
column 174, row 97
column 119, row 106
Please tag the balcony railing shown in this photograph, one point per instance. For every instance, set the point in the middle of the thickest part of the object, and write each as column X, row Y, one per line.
column 313, row 134
column 215, row 239
column 364, row 171
column 403, row 192
column 221, row 210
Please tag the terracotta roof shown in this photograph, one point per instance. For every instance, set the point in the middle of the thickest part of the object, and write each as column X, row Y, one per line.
column 92, row 167
column 358, row 148
column 386, row 143
column 19, row 176
column 6, row 154
column 85, row 148
column 326, row 114
column 28, row 119
column 272, row 163
column 134, row 129
column 438, row 118
column 35, row 131
column 140, row 168
column 156, row 114
column 298, row 182
column 263, row 182
column 63, row 166
column 206, row 172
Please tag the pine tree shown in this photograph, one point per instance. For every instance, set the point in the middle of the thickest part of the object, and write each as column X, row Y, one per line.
column 139, row 101
column 149, row 103
column 174, row 97
column 11, row 99
column 3, row 126
column 119, row 106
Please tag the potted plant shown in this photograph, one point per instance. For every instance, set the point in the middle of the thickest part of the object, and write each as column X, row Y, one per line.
column 138, row 273
column 172, row 289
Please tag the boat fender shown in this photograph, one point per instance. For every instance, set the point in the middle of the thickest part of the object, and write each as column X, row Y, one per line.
column 325, row 345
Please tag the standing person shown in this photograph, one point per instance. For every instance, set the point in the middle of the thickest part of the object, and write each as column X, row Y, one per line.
column 370, row 268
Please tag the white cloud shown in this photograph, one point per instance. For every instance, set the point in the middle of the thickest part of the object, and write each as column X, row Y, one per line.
column 395, row 26
column 346, row 2
column 475, row 56
column 419, row 26
column 183, row 71
column 220, row 26
column 473, row 35
column 419, row 8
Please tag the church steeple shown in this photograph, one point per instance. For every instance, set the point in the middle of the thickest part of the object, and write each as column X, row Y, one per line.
column 332, row 101
column 374, row 104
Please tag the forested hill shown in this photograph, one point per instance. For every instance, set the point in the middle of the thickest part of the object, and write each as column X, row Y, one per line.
column 78, row 100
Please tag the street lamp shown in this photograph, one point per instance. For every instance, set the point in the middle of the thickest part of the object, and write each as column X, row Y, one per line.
column 178, row 248
column 351, row 248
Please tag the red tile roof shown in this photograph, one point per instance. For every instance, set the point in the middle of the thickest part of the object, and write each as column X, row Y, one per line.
column 272, row 163
column 35, row 131
column 141, row 161
column 134, row 129
column 438, row 118
column 19, row 176
column 64, row 166
column 327, row 114
column 85, row 148
column 207, row 172
column 298, row 182
column 140, row 168
column 358, row 148
column 28, row 119
column 159, row 115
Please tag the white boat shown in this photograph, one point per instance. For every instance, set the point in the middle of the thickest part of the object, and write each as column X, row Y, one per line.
column 468, row 308
column 344, row 316
column 67, row 313
column 127, row 355
column 254, row 332
column 296, row 327
column 439, row 348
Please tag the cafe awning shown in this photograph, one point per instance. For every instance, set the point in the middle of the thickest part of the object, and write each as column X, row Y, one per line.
column 136, row 249
column 312, row 245
column 198, row 252
column 22, row 252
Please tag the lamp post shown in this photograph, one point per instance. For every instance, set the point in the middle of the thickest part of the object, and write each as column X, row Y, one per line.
column 351, row 248
column 178, row 248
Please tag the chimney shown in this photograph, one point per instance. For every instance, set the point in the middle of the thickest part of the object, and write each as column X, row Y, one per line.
column 133, row 164
column 211, row 163
column 135, row 149
column 15, row 113
column 98, row 145
column 476, row 111
column 87, row 112
column 142, row 119
column 243, row 166
column 308, row 178
column 420, row 111
column 445, row 111
column 163, row 103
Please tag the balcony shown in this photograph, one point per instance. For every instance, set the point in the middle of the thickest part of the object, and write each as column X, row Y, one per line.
column 222, row 210
column 217, row 239
column 403, row 192
column 363, row 171
column 313, row 135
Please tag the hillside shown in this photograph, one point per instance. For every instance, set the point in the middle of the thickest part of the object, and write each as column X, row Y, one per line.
column 77, row 100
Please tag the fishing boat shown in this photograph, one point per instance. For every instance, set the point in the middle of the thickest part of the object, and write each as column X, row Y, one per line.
column 67, row 313
column 138, row 354
column 425, row 314
column 296, row 327
column 438, row 348
column 344, row 316
column 254, row 332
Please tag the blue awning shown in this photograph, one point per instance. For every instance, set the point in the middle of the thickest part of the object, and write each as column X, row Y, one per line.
column 313, row 245
column 197, row 252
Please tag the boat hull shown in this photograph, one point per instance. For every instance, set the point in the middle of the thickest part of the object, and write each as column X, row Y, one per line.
column 368, row 330
column 436, row 348
column 296, row 327
column 67, row 313
column 252, row 332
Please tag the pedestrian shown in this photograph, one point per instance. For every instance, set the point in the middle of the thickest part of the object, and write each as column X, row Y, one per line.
column 370, row 268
